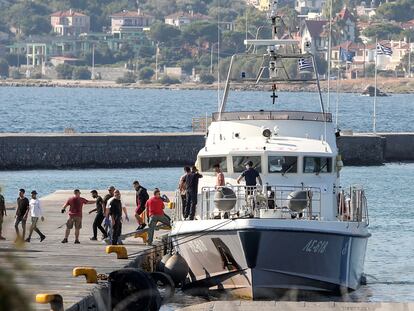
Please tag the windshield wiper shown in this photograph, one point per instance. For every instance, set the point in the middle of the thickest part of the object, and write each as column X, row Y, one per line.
column 289, row 168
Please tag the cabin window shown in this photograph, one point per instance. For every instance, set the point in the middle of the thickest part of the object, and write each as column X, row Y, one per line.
column 317, row 165
column 207, row 164
column 282, row 164
column 239, row 163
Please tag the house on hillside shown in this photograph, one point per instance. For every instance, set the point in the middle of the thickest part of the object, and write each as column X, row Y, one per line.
column 306, row 6
column 70, row 23
column 346, row 23
column 313, row 32
column 180, row 19
column 366, row 11
column 127, row 23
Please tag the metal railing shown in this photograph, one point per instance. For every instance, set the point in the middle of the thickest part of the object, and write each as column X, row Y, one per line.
column 256, row 201
column 201, row 124
column 352, row 205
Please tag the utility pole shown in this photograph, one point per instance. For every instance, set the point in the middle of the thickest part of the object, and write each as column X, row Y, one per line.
column 409, row 57
column 156, row 63
column 93, row 61
column 211, row 59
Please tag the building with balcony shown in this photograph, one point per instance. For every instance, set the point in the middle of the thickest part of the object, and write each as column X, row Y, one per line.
column 180, row 19
column 127, row 23
column 70, row 23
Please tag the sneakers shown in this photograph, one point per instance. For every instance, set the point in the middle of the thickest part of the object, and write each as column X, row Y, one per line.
column 93, row 239
column 42, row 238
column 77, row 242
column 65, row 240
column 141, row 226
column 2, row 238
column 27, row 240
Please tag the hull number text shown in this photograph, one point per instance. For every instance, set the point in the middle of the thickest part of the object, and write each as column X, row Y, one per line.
column 315, row 246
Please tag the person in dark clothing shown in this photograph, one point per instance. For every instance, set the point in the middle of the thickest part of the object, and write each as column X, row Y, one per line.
column 182, row 189
column 191, row 185
column 2, row 214
column 100, row 216
column 114, row 210
column 106, row 198
column 141, row 197
column 21, row 214
column 250, row 175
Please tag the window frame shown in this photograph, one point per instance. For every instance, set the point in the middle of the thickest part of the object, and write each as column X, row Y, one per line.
column 260, row 169
column 329, row 166
column 224, row 160
column 282, row 156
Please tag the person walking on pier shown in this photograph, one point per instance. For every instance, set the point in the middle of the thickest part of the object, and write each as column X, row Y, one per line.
column 100, row 216
column 141, row 197
column 106, row 198
column 35, row 213
column 2, row 214
column 182, row 188
column 155, row 208
column 75, row 204
column 191, row 185
column 114, row 210
column 22, row 211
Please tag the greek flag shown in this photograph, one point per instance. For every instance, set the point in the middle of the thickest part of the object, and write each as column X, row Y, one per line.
column 383, row 50
column 305, row 64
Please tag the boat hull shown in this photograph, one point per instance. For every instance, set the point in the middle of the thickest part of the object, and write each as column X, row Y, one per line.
column 265, row 263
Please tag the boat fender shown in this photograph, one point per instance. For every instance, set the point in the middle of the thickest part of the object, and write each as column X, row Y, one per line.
column 177, row 268
column 133, row 289
column 161, row 264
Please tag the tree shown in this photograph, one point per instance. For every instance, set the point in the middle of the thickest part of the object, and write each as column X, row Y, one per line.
column 200, row 32
column 207, row 78
column 81, row 73
column 382, row 31
column 146, row 73
column 337, row 5
column 165, row 33
column 129, row 77
column 169, row 80
column 401, row 10
column 64, row 71
column 4, row 68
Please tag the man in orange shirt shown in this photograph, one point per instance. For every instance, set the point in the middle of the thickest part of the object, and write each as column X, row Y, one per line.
column 155, row 210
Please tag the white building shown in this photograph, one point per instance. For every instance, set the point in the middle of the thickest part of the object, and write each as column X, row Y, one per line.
column 130, row 22
column 306, row 6
column 180, row 19
column 69, row 23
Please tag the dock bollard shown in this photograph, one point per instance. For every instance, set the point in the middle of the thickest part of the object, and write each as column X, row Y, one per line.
column 55, row 300
column 120, row 251
column 143, row 236
column 89, row 273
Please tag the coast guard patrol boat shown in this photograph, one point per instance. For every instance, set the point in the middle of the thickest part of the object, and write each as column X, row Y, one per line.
column 299, row 230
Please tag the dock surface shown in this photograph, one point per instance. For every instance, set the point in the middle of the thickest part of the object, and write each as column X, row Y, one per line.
column 47, row 266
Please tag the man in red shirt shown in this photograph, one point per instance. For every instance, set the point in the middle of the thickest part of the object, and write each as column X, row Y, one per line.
column 155, row 210
column 75, row 204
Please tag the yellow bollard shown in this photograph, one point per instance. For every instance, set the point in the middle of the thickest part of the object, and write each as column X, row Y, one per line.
column 55, row 300
column 89, row 273
column 143, row 236
column 120, row 251
column 171, row 205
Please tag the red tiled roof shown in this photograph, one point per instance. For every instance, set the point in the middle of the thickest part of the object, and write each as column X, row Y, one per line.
column 67, row 13
column 349, row 45
column 315, row 27
column 130, row 14
column 345, row 14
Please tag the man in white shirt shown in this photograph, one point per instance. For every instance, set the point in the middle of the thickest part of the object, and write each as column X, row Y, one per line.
column 35, row 212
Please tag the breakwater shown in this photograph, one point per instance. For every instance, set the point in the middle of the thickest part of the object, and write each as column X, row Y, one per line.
column 99, row 150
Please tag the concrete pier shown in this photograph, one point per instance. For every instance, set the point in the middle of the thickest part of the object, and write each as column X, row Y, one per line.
column 115, row 150
column 46, row 267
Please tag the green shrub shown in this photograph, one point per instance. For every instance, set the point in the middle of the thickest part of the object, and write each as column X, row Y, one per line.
column 146, row 73
column 81, row 73
column 207, row 78
column 169, row 80
column 64, row 71
column 128, row 77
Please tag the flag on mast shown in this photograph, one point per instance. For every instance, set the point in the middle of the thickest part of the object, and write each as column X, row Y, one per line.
column 305, row 64
column 383, row 50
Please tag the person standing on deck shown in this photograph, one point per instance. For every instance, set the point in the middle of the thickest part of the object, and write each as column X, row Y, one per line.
column 250, row 175
column 2, row 214
column 114, row 211
column 100, row 216
column 22, row 211
column 220, row 181
column 141, row 197
column 191, row 185
column 75, row 204
column 182, row 188
column 35, row 213
column 155, row 208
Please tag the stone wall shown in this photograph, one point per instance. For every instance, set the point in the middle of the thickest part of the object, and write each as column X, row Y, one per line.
column 55, row 151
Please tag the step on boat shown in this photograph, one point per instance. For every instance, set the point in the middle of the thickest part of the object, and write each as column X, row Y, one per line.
column 297, row 230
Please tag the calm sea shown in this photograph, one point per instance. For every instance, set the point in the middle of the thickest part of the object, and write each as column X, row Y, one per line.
column 389, row 262
column 128, row 110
